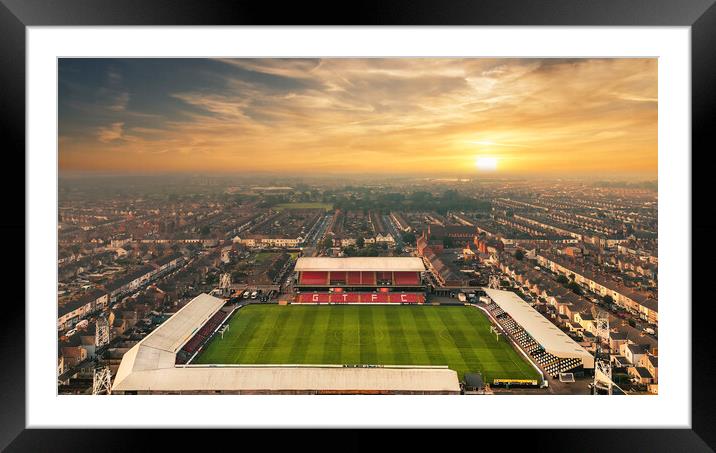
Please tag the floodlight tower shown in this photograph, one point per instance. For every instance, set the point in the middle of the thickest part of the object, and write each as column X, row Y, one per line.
column 494, row 282
column 225, row 283
column 101, row 337
column 602, row 366
column 102, row 381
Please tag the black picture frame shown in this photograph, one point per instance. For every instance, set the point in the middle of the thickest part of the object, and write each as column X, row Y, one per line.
column 700, row 15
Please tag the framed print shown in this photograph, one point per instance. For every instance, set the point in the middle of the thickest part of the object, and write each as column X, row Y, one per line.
column 430, row 217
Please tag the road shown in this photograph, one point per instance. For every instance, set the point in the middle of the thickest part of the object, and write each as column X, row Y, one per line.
column 393, row 231
column 317, row 231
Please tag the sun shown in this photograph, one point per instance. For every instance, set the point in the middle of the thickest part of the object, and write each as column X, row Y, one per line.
column 486, row 163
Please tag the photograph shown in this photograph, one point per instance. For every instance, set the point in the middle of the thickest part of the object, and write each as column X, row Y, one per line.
column 442, row 218
column 357, row 226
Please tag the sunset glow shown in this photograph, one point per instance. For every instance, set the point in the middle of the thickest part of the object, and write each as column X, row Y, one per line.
column 486, row 163
column 402, row 115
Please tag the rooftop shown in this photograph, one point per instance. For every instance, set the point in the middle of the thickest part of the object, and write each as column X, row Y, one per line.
column 87, row 298
column 366, row 264
column 291, row 378
column 552, row 339
column 127, row 278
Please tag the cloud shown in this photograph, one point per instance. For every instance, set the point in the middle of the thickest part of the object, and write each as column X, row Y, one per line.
column 112, row 133
column 393, row 114
column 118, row 102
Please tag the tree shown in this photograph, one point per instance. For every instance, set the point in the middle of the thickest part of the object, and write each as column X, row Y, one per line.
column 632, row 323
column 360, row 243
column 562, row 279
column 608, row 299
column 420, row 197
column 327, row 243
column 205, row 230
column 574, row 286
column 408, row 238
column 447, row 242
column 450, row 195
column 519, row 255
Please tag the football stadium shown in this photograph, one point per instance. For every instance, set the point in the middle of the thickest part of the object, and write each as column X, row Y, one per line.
column 352, row 326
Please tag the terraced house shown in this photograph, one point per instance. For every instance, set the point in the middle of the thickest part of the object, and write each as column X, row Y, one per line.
column 636, row 302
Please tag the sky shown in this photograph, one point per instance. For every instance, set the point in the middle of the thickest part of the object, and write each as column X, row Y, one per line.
column 575, row 117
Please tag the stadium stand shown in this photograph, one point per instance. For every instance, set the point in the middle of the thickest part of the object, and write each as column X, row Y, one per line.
column 314, row 278
column 353, row 278
column 352, row 298
column 359, row 271
column 552, row 364
column 406, row 278
column 367, row 278
column 338, row 278
column 201, row 336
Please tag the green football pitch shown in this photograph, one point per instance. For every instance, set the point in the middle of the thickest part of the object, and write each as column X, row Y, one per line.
column 458, row 337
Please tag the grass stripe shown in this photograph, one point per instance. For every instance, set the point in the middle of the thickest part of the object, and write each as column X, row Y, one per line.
column 471, row 360
column 316, row 338
column 398, row 345
column 299, row 342
column 333, row 336
column 368, row 350
column 270, row 351
column 428, row 336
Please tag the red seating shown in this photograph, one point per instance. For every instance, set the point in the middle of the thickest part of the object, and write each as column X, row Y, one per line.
column 204, row 332
column 384, row 276
column 193, row 344
column 348, row 298
column 314, row 278
column 406, row 278
column 345, row 298
column 338, row 277
column 305, row 298
column 367, row 278
column 407, row 298
column 353, row 278
column 314, row 298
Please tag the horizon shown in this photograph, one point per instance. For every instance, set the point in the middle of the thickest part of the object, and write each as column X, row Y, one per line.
column 475, row 177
